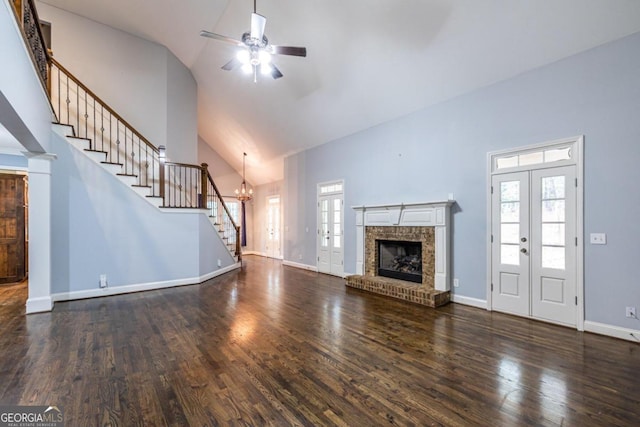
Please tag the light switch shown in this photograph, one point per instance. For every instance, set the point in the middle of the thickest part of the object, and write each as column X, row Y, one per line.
column 598, row 239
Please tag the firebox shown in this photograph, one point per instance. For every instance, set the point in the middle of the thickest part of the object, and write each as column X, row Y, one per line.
column 400, row 260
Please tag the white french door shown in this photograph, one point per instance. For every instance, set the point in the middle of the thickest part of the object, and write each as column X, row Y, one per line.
column 330, row 233
column 273, row 227
column 534, row 244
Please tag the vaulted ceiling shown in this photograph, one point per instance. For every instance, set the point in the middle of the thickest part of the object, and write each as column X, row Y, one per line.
column 369, row 61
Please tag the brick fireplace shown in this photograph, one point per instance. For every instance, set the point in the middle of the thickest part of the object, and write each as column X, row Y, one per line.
column 406, row 230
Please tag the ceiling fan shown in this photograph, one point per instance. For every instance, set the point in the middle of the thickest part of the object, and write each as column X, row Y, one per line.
column 256, row 51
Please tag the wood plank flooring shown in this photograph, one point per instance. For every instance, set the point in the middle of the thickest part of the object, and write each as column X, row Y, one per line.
column 274, row 345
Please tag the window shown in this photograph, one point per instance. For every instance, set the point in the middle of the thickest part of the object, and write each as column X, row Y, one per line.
column 536, row 157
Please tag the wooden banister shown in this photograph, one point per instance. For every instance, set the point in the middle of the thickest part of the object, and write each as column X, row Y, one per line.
column 104, row 105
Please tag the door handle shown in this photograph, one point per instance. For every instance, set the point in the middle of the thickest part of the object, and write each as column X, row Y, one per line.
column 523, row 250
column 523, row 239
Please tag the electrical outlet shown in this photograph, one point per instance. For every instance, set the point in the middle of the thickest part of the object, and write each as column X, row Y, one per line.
column 219, row 263
column 598, row 238
column 456, row 283
column 300, row 257
column 103, row 281
column 631, row 312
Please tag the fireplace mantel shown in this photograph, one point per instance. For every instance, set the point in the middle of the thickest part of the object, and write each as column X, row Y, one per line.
column 428, row 214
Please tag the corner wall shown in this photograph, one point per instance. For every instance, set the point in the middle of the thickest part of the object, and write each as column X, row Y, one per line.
column 443, row 149
column 143, row 81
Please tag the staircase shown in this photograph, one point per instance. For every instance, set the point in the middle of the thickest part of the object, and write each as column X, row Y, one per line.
column 94, row 128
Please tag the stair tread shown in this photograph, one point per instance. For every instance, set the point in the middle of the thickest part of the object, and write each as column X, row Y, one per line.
column 141, row 186
column 79, row 137
column 126, row 174
column 95, row 151
column 112, row 163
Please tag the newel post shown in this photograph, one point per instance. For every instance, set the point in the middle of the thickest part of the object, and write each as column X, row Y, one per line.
column 203, row 174
column 162, row 157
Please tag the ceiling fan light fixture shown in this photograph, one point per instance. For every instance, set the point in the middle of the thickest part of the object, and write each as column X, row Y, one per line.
column 266, row 69
column 264, row 57
column 247, row 68
column 243, row 56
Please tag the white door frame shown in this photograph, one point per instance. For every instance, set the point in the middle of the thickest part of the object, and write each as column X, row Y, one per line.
column 577, row 158
column 319, row 194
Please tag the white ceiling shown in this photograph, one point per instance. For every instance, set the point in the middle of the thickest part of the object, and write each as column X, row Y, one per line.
column 369, row 61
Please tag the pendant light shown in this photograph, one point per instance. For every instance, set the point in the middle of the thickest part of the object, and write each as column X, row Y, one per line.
column 244, row 194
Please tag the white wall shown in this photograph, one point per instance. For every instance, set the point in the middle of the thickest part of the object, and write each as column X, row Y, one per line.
column 182, row 112
column 141, row 80
column 443, row 149
column 24, row 106
column 101, row 226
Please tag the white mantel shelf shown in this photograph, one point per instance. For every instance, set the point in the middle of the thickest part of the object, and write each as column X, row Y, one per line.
column 426, row 214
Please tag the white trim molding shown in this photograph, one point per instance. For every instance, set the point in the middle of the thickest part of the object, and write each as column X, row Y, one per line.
column 139, row 287
column 300, row 265
column 576, row 145
column 612, row 331
column 39, row 305
column 427, row 214
column 472, row 302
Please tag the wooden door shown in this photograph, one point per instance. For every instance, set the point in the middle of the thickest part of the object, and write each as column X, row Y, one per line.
column 12, row 228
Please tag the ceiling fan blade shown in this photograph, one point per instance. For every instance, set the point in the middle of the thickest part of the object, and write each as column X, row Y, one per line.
column 231, row 64
column 225, row 39
column 275, row 73
column 288, row 50
column 257, row 26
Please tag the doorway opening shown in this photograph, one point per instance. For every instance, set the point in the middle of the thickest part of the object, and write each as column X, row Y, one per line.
column 274, row 229
column 14, row 237
column 330, row 244
column 535, row 232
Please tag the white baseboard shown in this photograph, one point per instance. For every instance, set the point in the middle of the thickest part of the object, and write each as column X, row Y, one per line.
column 262, row 254
column 39, row 305
column 473, row 302
column 300, row 265
column 103, row 292
column 612, row 331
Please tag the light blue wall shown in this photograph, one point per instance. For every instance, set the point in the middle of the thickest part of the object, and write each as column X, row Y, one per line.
column 9, row 161
column 100, row 226
column 443, row 149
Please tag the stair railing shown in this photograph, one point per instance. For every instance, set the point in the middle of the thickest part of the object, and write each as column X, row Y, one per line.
column 28, row 21
column 106, row 130
column 219, row 212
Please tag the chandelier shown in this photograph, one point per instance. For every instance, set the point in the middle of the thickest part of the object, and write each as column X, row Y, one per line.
column 243, row 194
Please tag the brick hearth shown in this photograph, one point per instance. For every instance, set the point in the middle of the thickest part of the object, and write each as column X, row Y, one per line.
column 399, row 289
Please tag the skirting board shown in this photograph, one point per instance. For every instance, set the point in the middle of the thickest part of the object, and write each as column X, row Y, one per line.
column 262, row 254
column 299, row 265
column 39, row 305
column 103, row 292
column 473, row 302
column 612, row 331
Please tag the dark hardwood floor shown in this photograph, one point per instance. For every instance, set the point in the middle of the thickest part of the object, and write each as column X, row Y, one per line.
column 274, row 345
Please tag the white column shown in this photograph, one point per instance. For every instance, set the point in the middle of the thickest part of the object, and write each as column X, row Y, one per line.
column 39, row 233
column 359, row 241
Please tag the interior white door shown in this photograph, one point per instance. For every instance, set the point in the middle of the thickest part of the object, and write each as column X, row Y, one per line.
column 330, row 234
column 273, row 227
column 553, row 249
column 534, row 244
column 510, row 230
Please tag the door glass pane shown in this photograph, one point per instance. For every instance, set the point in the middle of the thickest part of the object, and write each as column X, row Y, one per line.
column 553, row 257
column 324, row 226
column 337, row 226
column 553, row 234
column 510, row 233
column 510, row 212
column 510, row 254
column 507, row 162
column 553, row 226
column 510, row 191
column 557, row 154
column 553, row 211
column 531, row 158
column 553, row 187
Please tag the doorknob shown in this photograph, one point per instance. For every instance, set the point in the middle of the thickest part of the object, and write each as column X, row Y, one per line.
column 523, row 239
column 523, row 250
